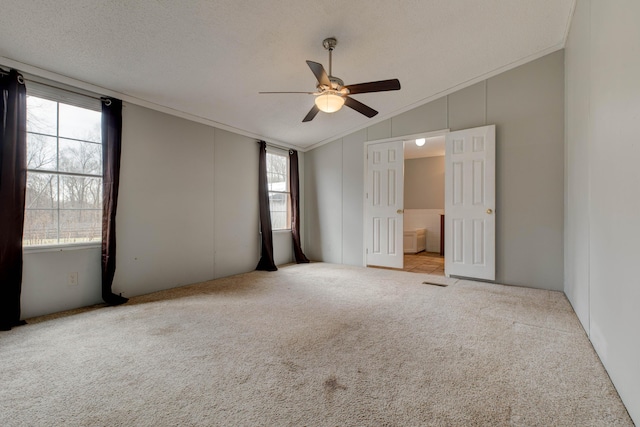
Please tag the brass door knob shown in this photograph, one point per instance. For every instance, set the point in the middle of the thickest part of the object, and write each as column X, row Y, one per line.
column 489, row 211
column 399, row 211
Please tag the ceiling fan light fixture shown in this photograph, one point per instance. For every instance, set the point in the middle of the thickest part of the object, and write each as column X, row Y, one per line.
column 420, row 142
column 329, row 102
column 331, row 93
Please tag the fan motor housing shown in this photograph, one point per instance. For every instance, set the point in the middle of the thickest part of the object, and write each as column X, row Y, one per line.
column 336, row 82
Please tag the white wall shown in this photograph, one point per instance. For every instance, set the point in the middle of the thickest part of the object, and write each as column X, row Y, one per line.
column 236, row 218
column 603, row 150
column 424, row 183
column 165, row 219
column 323, row 204
column 527, row 106
column 45, row 280
column 187, row 212
column 352, row 202
column 577, row 80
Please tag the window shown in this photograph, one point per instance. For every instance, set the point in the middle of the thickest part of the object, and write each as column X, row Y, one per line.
column 279, row 197
column 64, row 172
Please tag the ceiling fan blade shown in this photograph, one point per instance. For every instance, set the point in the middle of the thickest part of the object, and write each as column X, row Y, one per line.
column 308, row 93
column 319, row 72
column 380, row 86
column 359, row 107
column 311, row 114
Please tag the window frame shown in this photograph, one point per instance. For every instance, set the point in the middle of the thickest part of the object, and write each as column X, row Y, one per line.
column 273, row 151
column 62, row 94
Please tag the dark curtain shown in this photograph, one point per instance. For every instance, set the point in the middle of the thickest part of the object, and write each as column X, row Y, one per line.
column 294, row 185
column 13, row 184
column 111, row 145
column 266, row 258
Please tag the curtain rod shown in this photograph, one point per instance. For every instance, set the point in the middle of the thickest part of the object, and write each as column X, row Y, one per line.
column 276, row 146
column 104, row 99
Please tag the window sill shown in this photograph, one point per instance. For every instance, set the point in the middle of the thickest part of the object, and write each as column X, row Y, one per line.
column 286, row 230
column 60, row 248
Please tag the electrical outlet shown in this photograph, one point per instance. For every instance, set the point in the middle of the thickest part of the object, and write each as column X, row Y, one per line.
column 73, row 279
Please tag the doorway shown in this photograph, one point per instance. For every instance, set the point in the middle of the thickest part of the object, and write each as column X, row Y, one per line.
column 413, row 163
column 424, row 164
column 469, row 198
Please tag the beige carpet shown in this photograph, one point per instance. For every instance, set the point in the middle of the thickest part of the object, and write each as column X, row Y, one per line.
column 311, row 345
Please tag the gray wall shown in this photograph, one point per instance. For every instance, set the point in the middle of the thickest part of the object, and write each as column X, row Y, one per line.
column 527, row 106
column 323, row 206
column 187, row 212
column 602, row 145
column 424, row 183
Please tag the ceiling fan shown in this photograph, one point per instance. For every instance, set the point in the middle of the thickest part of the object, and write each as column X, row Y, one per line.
column 332, row 93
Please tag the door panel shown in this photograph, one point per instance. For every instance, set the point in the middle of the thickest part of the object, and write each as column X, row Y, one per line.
column 470, row 203
column 385, row 198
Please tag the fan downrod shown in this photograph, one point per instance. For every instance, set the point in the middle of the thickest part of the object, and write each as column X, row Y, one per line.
column 329, row 43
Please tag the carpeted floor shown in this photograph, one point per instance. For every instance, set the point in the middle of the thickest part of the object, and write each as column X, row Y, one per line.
column 311, row 345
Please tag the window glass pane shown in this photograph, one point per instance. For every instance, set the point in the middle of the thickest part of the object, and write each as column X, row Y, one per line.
column 279, row 208
column 42, row 191
column 277, row 170
column 41, row 152
column 278, row 220
column 80, row 226
column 62, row 209
column 278, row 184
column 80, row 157
column 278, row 202
column 80, row 123
column 42, row 116
column 40, row 227
column 80, row 192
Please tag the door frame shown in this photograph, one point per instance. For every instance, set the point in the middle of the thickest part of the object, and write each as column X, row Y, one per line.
column 403, row 138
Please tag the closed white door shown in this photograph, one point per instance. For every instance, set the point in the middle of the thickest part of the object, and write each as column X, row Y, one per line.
column 470, row 218
column 385, row 199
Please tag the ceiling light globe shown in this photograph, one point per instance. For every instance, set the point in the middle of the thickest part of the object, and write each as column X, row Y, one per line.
column 329, row 102
column 420, row 142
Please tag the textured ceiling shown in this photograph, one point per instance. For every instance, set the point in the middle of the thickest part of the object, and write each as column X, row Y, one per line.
column 209, row 59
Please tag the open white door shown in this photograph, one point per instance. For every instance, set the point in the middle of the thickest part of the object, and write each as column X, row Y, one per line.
column 384, row 201
column 469, row 203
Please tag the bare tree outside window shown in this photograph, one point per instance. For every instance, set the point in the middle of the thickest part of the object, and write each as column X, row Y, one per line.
column 279, row 196
column 64, row 174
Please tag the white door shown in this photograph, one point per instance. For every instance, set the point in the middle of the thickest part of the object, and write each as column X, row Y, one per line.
column 384, row 201
column 469, row 203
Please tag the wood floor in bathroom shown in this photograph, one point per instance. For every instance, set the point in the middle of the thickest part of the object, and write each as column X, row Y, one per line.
column 424, row 262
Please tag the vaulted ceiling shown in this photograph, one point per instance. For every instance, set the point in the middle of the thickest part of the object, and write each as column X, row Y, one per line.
column 209, row 59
